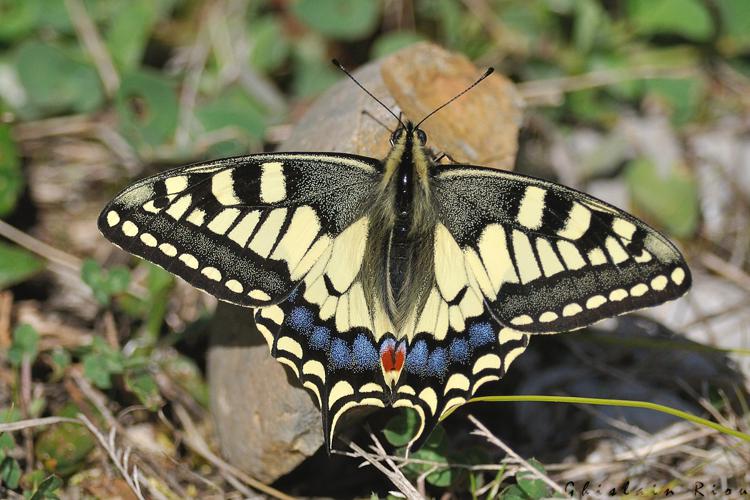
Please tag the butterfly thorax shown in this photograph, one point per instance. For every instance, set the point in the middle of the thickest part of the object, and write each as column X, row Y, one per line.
column 402, row 221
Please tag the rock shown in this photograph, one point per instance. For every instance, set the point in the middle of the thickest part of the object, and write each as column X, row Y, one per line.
column 266, row 423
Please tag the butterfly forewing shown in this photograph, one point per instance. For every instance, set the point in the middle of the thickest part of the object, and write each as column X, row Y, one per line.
column 548, row 258
column 244, row 229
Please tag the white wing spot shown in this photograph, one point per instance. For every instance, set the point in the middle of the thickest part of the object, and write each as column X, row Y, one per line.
column 129, row 228
column 179, row 207
column 211, row 273
column 148, row 239
column 548, row 317
column 259, row 295
column 678, row 275
column 597, row 257
column 570, row 254
column 643, row 257
column 189, row 260
column 579, row 219
column 456, row 381
column 639, row 290
column 222, row 187
column 241, row 232
column 272, row 182
column 113, row 218
column 531, row 209
column 176, row 184
column 234, row 286
column 266, row 236
column 618, row 295
column 659, row 283
column 615, row 250
column 488, row 361
column 430, row 398
column 551, row 265
column 168, row 249
column 623, row 228
column 197, row 217
column 571, row 310
column 596, row 301
column 524, row 257
column 524, row 319
column 221, row 223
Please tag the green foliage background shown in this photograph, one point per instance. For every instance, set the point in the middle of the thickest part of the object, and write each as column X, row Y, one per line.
column 169, row 75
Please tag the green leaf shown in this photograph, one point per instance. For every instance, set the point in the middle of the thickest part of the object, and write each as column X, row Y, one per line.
column 589, row 19
column 269, row 47
column 393, row 42
column 6, row 443
column 233, row 109
column 436, row 450
column 11, row 178
column 25, row 344
column 17, row 265
column 689, row 18
column 47, row 488
column 56, row 82
column 340, row 19
column 60, row 361
column 682, row 96
column 735, row 24
column 147, row 108
column 10, row 473
column 401, row 428
column 63, row 448
column 18, row 18
column 670, row 200
column 104, row 284
column 513, row 492
column 533, row 487
column 144, row 387
column 101, row 362
column 129, row 31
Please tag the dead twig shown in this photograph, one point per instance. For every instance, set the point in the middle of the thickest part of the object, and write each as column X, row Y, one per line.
column 90, row 39
column 484, row 432
column 726, row 270
column 195, row 442
column 393, row 473
column 120, row 458
column 6, row 308
column 550, row 91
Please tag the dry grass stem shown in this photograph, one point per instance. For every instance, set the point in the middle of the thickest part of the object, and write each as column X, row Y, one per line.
column 484, row 432
column 90, row 39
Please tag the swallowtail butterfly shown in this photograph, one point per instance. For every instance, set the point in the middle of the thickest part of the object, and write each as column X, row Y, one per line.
column 395, row 282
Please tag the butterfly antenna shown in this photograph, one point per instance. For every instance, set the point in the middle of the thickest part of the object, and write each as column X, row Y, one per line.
column 485, row 75
column 338, row 64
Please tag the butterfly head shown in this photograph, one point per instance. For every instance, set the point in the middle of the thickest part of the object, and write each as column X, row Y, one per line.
column 408, row 133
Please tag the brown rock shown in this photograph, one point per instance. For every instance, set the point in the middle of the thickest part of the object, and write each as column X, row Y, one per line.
column 268, row 424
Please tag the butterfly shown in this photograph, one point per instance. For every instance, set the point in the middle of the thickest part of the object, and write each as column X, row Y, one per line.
column 397, row 282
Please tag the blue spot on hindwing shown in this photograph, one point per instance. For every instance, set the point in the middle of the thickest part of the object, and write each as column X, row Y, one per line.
column 340, row 355
column 459, row 350
column 301, row 319
column 416, row 359
column 438, row 363
column 481, row 334
column 365, row 354
column 320, row 337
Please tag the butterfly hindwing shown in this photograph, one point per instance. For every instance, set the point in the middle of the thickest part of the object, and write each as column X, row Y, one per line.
column 324, row 331
column 548, row 258
column 244, row 229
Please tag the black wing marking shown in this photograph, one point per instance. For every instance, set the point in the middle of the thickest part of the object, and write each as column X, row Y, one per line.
column 244, row 229
column 548, row 258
